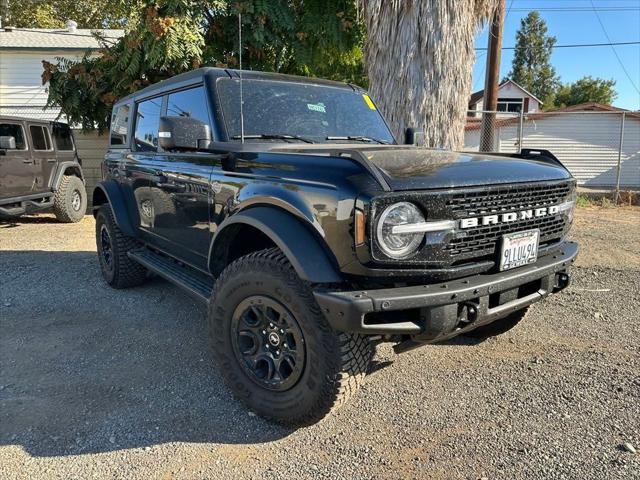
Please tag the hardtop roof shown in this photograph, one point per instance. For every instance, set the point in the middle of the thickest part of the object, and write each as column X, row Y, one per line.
column 231, row 73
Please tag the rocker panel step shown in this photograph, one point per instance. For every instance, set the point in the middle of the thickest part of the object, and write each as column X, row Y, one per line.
column 185, row 277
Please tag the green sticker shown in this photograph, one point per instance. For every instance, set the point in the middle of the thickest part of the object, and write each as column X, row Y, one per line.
column 317, row 107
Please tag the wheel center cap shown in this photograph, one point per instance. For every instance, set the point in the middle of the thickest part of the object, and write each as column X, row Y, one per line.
column 274, row 339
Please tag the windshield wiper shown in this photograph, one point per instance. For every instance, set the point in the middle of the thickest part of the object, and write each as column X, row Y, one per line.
column 275, row 136
column 357, row 138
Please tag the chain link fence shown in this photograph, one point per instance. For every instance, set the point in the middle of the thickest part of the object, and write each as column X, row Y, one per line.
column 600, row 148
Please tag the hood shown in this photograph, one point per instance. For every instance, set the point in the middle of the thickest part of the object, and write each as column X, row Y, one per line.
column 411, row 168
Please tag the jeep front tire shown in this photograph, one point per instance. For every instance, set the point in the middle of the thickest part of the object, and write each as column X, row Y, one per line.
column 70, row 200
column 117, row 268
column 273, row 345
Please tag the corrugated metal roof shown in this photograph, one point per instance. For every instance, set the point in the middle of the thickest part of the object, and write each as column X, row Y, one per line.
column 54, row 39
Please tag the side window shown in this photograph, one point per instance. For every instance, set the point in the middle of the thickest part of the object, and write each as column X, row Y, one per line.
column 62, row 137
column 119, row 125
column 40, row 137
column 15, row 131
column 147, row 123
column 190, row 103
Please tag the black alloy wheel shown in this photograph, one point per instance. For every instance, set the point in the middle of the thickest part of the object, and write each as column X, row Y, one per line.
column 106, row 247
column 268, row 342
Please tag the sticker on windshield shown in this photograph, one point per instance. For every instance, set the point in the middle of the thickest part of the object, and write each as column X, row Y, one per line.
column 317, row 107
column 368, row 101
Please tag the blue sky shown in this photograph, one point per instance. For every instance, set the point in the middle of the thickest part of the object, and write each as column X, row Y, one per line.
column 571, row 27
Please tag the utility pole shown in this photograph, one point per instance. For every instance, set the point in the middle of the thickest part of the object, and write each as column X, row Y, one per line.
column 492, row 78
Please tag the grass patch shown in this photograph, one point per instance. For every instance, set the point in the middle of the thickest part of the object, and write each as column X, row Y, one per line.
column 582, row 201
column 626, row 198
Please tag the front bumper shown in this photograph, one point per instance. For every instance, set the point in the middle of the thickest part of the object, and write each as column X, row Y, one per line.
column 435, row 312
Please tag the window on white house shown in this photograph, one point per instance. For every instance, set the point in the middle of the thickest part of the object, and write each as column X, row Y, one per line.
column 510, row 104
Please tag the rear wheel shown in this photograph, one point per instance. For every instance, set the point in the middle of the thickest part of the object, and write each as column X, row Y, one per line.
column 70, row 200
column 274, row 347
column 500, row 326
column 117, row 268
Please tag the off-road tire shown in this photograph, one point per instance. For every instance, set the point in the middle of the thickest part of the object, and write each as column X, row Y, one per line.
column 500, row 326
column 123, row 272
column 335, row 363
column 67, row 207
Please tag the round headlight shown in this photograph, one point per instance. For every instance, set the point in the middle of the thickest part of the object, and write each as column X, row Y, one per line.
column 399, row 245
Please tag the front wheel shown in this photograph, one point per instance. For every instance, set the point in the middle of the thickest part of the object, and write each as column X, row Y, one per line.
column 117, row 268
column 274, row 347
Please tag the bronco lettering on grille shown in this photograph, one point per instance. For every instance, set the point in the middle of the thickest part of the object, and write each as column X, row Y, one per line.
column 509, row 217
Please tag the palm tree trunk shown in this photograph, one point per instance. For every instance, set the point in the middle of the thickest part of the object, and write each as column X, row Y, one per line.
column 419, row 55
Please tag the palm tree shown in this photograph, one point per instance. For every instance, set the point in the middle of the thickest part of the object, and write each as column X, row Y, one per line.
column 419, row 56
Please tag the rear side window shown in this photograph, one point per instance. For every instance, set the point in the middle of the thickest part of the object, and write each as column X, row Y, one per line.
column 62, row 138
column 119, row 125
column 190, row 103
column 147, row 123
column 40, row 137
column 15, row 131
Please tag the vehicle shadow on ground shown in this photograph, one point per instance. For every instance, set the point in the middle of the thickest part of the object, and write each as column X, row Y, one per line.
column 36, row 219
column 85, row 368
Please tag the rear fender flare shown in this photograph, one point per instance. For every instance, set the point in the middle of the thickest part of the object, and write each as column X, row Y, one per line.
column 306, row 252
column 62, row 168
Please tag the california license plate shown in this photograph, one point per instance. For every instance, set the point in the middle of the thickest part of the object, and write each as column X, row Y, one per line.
column 518, row 249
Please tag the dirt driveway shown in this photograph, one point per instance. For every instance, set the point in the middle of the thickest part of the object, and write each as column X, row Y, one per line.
column 98, row 383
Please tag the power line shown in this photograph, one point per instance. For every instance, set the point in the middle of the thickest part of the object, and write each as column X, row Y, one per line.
column 577, row 9
column 604, row 30
column 483, row 65
column 577, row 45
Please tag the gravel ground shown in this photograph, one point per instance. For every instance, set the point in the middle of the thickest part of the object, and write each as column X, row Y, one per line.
column 98, row 383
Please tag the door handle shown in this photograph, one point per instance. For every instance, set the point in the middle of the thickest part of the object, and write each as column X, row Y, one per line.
column 27, row 161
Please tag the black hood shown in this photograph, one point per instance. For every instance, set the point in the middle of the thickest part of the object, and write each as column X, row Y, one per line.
column 410, row 168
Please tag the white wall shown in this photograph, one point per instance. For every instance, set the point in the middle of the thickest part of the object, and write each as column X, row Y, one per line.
column 509, row 90
column 21, row 78
column 586, row 143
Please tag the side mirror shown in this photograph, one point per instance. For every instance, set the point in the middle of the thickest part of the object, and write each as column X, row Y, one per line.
column 414, row 136
column 183, row 133
column 7, row 143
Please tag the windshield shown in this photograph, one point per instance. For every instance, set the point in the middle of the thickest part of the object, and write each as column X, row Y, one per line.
column 310, row 112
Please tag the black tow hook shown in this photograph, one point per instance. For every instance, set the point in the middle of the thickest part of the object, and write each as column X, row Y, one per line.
column 562, row 281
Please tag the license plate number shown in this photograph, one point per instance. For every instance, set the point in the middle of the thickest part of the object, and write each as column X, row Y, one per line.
column 518, row 249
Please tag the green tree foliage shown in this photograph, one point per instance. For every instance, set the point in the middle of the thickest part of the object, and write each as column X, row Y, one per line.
column 305, row 37
column 531, row 67
column 586, row 89
column 161, row 41
column 167, row 37
column 54, row 13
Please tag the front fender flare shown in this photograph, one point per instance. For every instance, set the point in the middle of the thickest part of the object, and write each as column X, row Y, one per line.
column 112, row 193
column 308, row 256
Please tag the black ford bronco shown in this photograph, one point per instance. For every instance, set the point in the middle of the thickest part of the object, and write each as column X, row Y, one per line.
column 288, row 207
column 40, row 169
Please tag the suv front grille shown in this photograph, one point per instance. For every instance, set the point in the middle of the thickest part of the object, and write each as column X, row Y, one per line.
column 482, row 241
column 507, row 199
